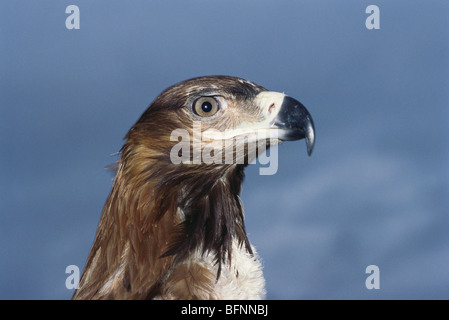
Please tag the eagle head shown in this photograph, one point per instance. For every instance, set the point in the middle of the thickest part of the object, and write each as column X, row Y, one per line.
column 175, row 196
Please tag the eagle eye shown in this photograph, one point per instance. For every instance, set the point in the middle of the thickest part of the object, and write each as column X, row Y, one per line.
column 205, row 107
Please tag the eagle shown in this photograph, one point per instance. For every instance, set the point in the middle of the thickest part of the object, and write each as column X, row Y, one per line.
column 173, row 225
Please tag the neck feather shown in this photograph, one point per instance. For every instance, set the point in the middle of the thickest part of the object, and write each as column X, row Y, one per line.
column 202, row 202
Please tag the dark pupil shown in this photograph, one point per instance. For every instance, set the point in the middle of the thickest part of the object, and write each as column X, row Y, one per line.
column 206, row 106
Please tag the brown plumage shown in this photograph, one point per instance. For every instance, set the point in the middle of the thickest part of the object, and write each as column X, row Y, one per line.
column 160, row 215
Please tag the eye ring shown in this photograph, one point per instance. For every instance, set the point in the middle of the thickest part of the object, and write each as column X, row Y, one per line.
column 205, row 107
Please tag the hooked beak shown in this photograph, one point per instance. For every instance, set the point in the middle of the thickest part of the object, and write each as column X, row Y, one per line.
column 294, row 122
column 285, row 118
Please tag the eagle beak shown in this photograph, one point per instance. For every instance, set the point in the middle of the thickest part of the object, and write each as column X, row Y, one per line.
column 294, row 122
column 283, row 118
column 287, row 116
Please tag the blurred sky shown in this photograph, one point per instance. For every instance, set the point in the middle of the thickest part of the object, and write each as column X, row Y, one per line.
column 375, row 190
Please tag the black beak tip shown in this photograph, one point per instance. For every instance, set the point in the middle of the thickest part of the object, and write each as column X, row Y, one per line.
column 296, row 122
column 310, row 136
column 309, row 147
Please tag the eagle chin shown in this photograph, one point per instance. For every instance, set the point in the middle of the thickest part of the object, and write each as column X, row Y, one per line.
column 176, row 230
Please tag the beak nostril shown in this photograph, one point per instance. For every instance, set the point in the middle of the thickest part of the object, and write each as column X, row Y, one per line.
column 271, row 108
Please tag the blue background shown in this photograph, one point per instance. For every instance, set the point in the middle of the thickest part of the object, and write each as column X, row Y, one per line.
column 375, row 190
